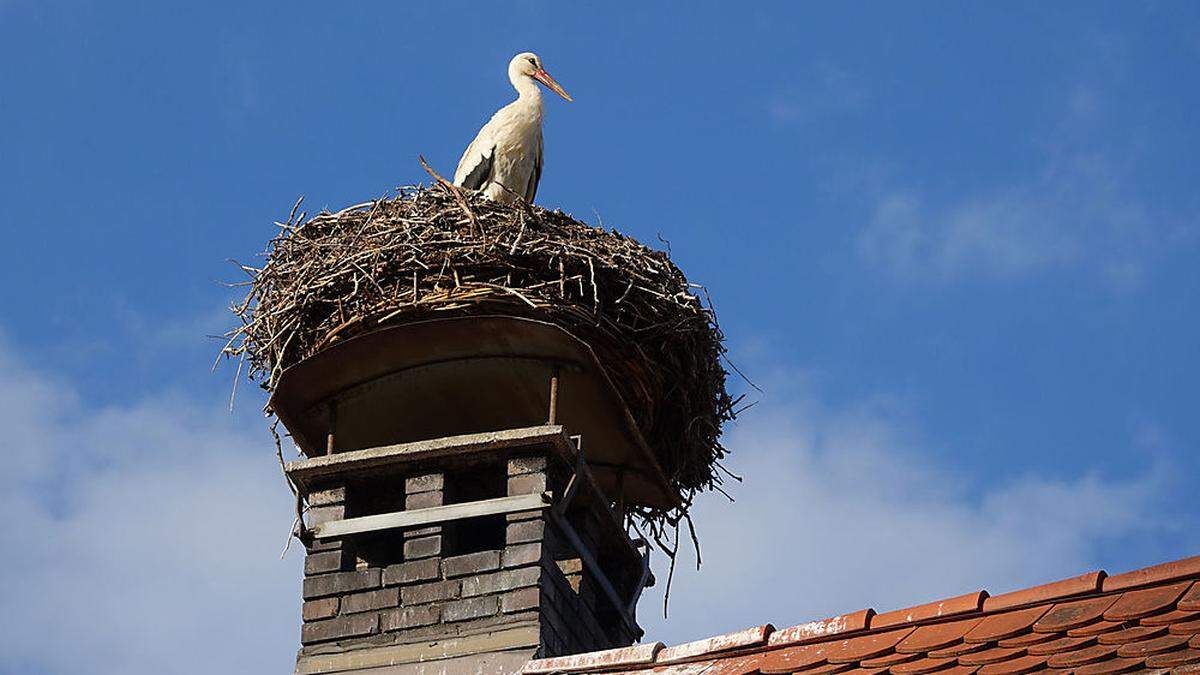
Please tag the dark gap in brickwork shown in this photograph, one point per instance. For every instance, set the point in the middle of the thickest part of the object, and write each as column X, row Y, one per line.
column 484, row 481
column 370, row 497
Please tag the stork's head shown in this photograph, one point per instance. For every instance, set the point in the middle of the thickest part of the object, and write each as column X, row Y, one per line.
column 528, row 64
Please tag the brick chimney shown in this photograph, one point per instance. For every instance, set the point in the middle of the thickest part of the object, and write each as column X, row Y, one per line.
column 460, row 552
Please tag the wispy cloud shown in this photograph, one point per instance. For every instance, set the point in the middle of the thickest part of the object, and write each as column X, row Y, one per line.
column 825, row 89
column 141, row 539
column 1079, row 208
column 840, row 511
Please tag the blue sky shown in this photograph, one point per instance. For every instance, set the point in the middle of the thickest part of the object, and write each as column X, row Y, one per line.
column 956, row 244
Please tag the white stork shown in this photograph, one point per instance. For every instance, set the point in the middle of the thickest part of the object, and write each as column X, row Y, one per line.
column 505, row 159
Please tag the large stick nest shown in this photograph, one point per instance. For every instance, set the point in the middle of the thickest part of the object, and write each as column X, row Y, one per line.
column 427, row 251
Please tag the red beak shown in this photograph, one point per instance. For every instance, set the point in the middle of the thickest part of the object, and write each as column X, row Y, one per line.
column 544, row 77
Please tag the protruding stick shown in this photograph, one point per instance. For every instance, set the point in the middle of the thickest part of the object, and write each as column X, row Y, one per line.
column 332, row 426
column 553, row 396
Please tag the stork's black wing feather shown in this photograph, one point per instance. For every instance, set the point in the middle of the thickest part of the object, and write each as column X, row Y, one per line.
column 535, row 176
column 482, row 173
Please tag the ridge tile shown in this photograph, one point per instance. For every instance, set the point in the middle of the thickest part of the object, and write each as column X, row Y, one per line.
column 1170, row 571
column 749, row 637
column 1056, row 590
column 961, row 604
column 814, row 630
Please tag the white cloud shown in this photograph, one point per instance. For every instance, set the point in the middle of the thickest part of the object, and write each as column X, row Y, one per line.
column 140, row 539
column 1078, row 208
column 840, row 512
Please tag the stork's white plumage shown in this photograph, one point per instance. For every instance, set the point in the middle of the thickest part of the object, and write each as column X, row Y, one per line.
column 505, row 159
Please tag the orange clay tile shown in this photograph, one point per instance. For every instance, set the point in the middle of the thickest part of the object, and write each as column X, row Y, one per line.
column 1185, row 628
column 721, row 643
column 858, row 671
column 958, row 670
column 866, row 646
column 1097, row 628
column 1177, row 658
column 814, row 630
column 921, row 666
column 1136, row 604
column 1191, row 598
column 1150, row 647
column 743, row 665
column 1079, row 657
column 936, row 636
column 1195, row 641
column 1008, row 624
column 1068, row 615
column 1179, row 569
column 1026, row 639
column 1109, row 667
column 1060, row 645
column 612, row 658
column 1133, row 634
column 1023, row 664
column 889, row 660
column 1080, row 585
column 990, row 655
column 792, row 659
column 1168, row 618
column 970, row 602
column 959, row 649
column 829, row 668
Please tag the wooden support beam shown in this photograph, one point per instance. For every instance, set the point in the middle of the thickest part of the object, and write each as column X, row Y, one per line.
column 304, row 471
column 432, row 515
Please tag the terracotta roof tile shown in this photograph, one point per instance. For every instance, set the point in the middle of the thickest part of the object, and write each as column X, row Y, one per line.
column 890, row 660
column 1006, row 624
column 792, row 659
column 1157, row 645
column 1179, row 569
column 1189, row 627
column 1026, row 639
column 1080, row 585
column 936, row 636
column 1068, row 615
column 1063, row 644
column 990, row 655
column 1132, row 634
column 962, row 604
column 1023, row 664
column 1117, row 665
column 1147, row 620
column 1096, row 628
column 959, row 649
column 846, row 623
column 636, row 655
column 1168, row 618
column 1079, row 657
column 1176, row 658
column 1191, row 598
column 866, row 646
column 749, row 637
column 922, row 666
column 1136, row 604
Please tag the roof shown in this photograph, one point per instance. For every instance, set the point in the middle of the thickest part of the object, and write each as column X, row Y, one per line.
column 1147, row 620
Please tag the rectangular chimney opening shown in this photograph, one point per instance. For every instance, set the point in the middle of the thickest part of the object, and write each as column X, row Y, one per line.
column 372, row 497
column 472, row 535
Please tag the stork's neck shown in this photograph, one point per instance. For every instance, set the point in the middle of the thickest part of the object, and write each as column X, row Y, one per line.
column 527, row 90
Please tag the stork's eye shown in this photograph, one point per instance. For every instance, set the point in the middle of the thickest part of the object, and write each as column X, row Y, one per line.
column 533, row 61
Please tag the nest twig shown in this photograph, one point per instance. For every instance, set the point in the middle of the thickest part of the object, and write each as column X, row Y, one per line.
column 433, row 250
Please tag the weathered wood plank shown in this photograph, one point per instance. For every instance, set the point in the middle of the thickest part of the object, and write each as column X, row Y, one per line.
column 431, row 515
column 304, row 470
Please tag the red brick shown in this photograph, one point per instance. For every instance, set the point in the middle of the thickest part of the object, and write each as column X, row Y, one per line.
column 341, row 582
column 412, row 572
column 326, row 561
column 471, row 563
column 410, row 617
column 525, row 531
column 423, row 593
column 501, row 581
column 470, row 608
column 521, row 554
column 362, row 602
column 354, row 625
column 530, row 483
column 319, row 609
column 423, row 547
column 522, row 598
